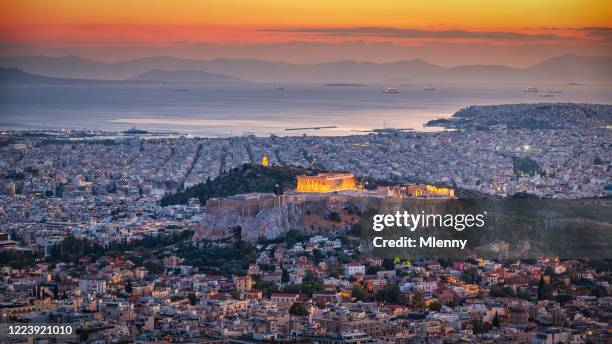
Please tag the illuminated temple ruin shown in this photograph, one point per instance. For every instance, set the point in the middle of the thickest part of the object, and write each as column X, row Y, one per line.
column 429, row 191
column 326, row 182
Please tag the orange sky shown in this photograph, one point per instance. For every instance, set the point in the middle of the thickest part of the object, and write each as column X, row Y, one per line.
column 60, row 24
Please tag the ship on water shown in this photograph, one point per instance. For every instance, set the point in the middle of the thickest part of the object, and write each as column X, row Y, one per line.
column 532, row 89
column 391, row 90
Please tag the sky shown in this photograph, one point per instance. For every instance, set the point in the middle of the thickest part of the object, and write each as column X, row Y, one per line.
column 510, row 32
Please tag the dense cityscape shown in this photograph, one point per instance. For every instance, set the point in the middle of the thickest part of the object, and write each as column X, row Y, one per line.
column 306, row 172
column 86, row 239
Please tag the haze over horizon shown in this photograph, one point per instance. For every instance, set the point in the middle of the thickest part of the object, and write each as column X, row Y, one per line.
column 109, row 64
column 510, row 33
column 564, row 68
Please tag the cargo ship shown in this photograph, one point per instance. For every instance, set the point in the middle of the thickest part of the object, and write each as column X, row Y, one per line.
column 391, row 90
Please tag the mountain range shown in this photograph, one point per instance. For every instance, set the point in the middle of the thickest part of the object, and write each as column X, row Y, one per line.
column 187, row 76
column 565, row 68
column 17, row 76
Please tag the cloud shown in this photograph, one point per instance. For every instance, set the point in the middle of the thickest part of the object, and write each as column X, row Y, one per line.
column 418, row 33
column 599, row 32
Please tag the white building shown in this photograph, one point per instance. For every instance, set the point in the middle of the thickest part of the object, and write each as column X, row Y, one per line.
column 92, row 285
column 351, row 269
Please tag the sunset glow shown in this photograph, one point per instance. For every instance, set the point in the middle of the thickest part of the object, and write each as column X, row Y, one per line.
column 32, row 26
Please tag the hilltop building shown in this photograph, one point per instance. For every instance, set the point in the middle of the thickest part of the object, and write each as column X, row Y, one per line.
column 326, row 182
column 428, row 191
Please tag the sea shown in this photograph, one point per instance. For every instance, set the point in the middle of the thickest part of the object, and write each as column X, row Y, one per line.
column 261, row 109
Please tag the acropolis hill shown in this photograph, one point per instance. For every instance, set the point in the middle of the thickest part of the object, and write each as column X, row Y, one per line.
column 308, row 207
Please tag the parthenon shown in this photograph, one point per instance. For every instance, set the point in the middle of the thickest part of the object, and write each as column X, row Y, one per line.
column 326, row 182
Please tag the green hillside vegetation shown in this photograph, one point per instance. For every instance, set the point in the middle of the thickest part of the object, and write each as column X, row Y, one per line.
column 524, row 167
column 239, row 180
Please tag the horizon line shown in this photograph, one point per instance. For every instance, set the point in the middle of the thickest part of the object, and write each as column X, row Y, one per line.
column 288, row 62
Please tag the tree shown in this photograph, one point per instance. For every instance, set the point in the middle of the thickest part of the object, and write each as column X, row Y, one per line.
column 318, row 256
column 18, row 260
column 373, row 269
column 469, row 276
column 452, row 304
column 262, row 240
column 524, row 167
column 293, row 236
column 359, row 293
column 501, row 291
column 388, row 264
column 320, row 304
column 599, row 291
column 435, row 306
column 418, row 301
column 480, row 327
column 193, row 299
column 563, row 298
column 599, row 265
column 335, row 217
column 298, row 309
column 311, row 286
column 495, row 321
column 154, row 266
column 265, row 286
column 56, row 292
column 544, row 289
column 333, row 270
column 390, row 293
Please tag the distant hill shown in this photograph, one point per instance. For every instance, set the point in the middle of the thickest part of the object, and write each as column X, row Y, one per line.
column 471, row 73
column 565, row 68
column 17, row 76
column 187, row 76
column 529, row 116
column 574, row 67
column 70, row 66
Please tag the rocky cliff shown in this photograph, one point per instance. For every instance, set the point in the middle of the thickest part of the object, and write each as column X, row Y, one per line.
column 268, row 222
